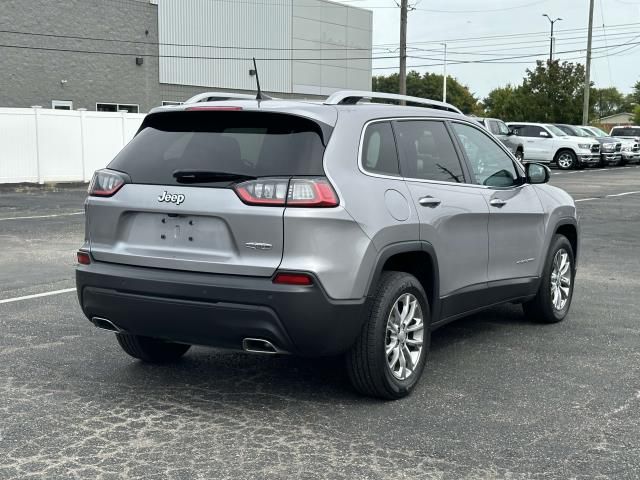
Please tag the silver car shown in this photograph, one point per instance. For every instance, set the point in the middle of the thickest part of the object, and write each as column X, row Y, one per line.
column 505, row 135
column 315, row 229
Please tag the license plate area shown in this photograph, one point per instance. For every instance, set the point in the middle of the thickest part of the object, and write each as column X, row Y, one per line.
column 192, row 237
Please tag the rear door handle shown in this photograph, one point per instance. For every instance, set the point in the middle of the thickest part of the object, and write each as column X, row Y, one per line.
column 429, row 201
column 497, row 202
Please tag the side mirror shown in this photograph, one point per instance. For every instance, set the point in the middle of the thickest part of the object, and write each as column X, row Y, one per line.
column 537, row 173
column 511, row 132
column 544, row 134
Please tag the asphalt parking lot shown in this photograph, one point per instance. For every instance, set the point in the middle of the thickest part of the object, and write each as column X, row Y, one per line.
column 501, row 398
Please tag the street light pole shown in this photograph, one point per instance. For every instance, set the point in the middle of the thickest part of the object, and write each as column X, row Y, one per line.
column 552, row 39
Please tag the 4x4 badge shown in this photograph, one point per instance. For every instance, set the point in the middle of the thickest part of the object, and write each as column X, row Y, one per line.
column 171, row 198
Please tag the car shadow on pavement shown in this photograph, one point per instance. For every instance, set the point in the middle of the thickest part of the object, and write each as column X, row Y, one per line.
column 213, row 375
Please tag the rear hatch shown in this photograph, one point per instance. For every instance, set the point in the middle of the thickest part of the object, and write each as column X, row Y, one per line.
column 178, row 208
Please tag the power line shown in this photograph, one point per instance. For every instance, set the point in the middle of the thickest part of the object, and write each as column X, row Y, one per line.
column 511, row 35
column 261, row 48
column 188, row 57
column 140, row 42
column 501, row 60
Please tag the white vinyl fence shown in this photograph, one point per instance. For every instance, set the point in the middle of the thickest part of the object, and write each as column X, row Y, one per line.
column 39, row 145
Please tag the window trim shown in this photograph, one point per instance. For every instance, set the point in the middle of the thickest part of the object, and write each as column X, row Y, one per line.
column 361, row 151
column 519, row 169
column 61, row 103
column 462, row 161
column 137, row 105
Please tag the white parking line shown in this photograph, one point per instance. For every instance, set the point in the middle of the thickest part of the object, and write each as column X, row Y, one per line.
column 591, row 170
column 37, row 295
column 622, row 194
column 606, row 196
column 42, row 216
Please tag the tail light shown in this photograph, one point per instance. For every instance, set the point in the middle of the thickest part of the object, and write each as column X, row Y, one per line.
column 84, row 258
column 295, row 192
column 106, row 183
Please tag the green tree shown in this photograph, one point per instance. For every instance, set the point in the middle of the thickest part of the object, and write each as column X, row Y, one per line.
column 634, row 97
column 429, row 85
column 608, row 101
column 636, row 115
column 549, row 93
column 506, row 103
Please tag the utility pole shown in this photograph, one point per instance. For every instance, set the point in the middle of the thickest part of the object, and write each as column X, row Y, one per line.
column 404, row 7
column 444, row 81
column 552, row 39
column 587, row 76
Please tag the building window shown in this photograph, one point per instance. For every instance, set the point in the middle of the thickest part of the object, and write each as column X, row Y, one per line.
column 117, row 107
column 62, row 104
column 166, row 103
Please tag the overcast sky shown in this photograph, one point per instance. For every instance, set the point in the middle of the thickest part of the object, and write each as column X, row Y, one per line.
column 521, row 18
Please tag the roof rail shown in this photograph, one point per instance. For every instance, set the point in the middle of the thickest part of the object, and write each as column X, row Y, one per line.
column 219, row 97
column 352, row 97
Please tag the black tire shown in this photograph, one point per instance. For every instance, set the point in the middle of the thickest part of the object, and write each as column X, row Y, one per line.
column 541, row 308
column 566, row 160
column 367, row 362
column 151, row 350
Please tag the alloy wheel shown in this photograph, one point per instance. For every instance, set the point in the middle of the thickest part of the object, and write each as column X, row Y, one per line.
column 404, row 336
column 560, row 279
column 565, row 161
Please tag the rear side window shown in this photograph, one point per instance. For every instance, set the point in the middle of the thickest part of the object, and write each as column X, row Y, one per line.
column 254, row 144
column 427, row 151
column 379, row 153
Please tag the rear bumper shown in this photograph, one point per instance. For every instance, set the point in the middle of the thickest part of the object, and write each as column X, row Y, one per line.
column 218, row 310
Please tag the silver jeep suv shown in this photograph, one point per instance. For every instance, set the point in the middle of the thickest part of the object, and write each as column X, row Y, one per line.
column 319, row 229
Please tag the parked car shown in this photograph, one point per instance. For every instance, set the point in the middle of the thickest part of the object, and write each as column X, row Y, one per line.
column 630, row 137
column 610, row 148
column 546, row 143
column 504, row 134
column 631, row 132
column 319, row 229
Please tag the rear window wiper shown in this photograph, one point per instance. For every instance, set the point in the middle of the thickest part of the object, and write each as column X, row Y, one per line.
column 203, row 176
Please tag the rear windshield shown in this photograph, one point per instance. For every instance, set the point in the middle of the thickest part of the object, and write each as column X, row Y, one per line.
column 626, row 131
column 251, row 144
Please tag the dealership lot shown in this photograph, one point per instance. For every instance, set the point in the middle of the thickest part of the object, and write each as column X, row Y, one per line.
column 501, row 397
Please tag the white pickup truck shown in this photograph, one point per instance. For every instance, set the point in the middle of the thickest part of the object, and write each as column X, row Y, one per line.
column 545, row 143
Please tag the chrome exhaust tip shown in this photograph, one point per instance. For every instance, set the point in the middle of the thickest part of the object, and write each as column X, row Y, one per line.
column 105, row 324
column 260, row 345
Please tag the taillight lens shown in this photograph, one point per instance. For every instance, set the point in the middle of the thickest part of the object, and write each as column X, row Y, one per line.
column 105, row 183
column 294, row 192
column 84, row 258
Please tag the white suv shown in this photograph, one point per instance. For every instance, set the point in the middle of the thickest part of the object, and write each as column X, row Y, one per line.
column 546, row 143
